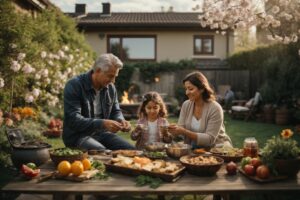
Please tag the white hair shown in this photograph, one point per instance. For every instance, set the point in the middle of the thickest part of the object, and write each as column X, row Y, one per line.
column 107, row 61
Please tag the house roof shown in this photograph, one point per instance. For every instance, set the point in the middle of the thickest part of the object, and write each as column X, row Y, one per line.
column 40, row 4
column 139, row 19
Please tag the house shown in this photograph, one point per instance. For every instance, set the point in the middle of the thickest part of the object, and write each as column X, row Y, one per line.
column 153, row 36
column 31, row 7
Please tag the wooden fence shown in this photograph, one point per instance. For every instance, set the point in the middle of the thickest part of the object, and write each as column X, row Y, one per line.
column 239, row 80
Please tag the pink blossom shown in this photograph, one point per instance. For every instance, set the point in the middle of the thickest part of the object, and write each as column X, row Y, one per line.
column 37, row 76
column 29, row 98
column 13, row 46
column 45, row 72
column 21, row 56
column 43, row 54
column 27, row 69
column 15, row 66
column 35, row 92
column 1, row 82
column 61, row 53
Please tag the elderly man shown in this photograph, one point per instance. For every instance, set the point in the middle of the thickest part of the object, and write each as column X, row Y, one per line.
column 92, row 114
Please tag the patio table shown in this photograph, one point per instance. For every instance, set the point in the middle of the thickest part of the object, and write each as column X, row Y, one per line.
column 118, row 184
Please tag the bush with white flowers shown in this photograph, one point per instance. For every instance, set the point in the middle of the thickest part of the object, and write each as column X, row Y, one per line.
column 37, row 56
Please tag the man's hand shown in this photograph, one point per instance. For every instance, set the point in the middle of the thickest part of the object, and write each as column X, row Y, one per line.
column 126, row 126
column 176, row 130
column 112, row 126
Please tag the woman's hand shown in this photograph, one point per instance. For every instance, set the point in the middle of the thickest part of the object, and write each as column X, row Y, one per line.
column 176, row 130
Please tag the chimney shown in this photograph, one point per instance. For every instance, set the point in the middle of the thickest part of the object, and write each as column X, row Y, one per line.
column 80, row 8
column 106, row 9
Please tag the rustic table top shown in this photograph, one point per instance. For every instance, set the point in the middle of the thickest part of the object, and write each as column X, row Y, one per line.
column 119, row 184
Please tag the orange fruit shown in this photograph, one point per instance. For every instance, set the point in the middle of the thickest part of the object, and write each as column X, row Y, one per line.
column 64, row 168
column 86, row 164
column 77, row 168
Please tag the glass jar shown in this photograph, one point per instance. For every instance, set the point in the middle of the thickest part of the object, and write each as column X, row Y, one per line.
column 250, row 147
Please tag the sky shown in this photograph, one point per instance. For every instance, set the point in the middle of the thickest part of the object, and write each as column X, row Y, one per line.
column 129, row 5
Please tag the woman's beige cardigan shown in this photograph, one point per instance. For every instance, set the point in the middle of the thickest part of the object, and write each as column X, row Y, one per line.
column 212, row 129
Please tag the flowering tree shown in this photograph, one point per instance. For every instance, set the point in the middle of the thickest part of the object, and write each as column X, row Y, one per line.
column 280, row 17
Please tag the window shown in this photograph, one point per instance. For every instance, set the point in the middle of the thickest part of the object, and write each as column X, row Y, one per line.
column 133, row 47
column 204, row 44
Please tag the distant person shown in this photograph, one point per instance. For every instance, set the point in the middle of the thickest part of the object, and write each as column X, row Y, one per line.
column 228, row 98
column 152, row 123
column 92, row 114
column 201, row 117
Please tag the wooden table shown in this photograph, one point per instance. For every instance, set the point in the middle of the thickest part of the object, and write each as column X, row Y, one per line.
column 124, row 185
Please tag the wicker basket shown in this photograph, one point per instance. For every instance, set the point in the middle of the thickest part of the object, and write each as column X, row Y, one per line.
column 71, row 158
column 202, row 170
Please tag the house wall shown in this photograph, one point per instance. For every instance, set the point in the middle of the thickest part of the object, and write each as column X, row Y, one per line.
column 172, row 46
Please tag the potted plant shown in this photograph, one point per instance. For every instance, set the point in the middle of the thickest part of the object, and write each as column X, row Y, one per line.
column 281, row 154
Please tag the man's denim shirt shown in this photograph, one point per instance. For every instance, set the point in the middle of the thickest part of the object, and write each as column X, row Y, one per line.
column 79, row 118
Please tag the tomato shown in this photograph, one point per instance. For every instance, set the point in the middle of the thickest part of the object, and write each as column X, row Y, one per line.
column 263, row 172
column 249, row 170
column 28, row 172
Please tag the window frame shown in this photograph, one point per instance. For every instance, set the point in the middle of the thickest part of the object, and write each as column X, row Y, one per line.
column 121, row 37
column 202, row 47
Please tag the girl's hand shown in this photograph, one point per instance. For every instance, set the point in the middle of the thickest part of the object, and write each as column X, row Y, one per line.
column 176, row 130
column 136, row 133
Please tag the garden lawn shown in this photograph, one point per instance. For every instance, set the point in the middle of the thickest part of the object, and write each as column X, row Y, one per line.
column 238, row 130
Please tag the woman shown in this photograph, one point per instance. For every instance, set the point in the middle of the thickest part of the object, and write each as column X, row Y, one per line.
column 201, row 117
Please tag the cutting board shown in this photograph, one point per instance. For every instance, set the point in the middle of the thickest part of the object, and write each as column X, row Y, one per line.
column 86, row 175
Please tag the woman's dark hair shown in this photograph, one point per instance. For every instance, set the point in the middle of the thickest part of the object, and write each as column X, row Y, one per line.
column 156, row 98
column 201, row 82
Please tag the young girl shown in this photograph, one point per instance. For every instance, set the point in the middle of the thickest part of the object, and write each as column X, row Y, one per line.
column 151, row 126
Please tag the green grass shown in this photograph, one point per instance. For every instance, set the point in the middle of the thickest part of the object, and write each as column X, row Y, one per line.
column 238, row 130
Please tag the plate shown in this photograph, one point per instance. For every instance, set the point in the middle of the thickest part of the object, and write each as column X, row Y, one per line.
column 271, row 179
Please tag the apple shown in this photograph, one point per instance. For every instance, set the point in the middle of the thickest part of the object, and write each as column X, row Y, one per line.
column 245, row 161
column 231, row 168
column 263, row 172
column 249, row 170
column 255, row 162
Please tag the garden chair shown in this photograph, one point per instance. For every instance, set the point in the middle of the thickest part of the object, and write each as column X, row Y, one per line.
column 248, row 110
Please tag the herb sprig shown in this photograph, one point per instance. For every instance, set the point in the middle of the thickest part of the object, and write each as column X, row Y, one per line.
column 147, row 180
